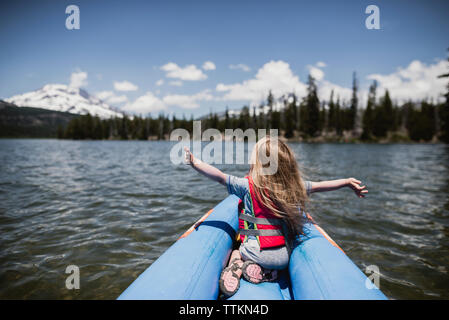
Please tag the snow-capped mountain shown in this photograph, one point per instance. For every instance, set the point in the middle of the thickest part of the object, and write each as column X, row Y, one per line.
column 60, row 97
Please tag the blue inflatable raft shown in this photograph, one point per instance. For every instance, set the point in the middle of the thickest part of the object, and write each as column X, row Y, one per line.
column 191, row 267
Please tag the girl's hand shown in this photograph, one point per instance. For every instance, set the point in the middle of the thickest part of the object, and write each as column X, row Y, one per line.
column 204, row 168
column 188, row 157
column 354, row 184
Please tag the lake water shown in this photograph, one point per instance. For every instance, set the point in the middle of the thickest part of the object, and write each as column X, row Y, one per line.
column 113, row 207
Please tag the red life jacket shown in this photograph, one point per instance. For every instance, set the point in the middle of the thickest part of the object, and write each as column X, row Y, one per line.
column 263, row 224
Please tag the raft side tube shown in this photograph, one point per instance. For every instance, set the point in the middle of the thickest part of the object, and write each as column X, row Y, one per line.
column 191, row 267
column 319, row 269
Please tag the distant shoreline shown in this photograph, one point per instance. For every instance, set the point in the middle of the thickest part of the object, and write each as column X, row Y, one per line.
column 294, row 140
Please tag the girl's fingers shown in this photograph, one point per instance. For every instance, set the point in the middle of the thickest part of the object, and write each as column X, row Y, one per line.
column 362, row 193
column 358, row 187
column 188, row 155
column 359, row 190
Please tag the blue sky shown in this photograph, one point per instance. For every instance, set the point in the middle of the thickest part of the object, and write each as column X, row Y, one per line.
column 159, row 49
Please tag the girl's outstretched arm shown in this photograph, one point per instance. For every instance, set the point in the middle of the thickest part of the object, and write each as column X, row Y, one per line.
column 204, row 168
column 330, row 185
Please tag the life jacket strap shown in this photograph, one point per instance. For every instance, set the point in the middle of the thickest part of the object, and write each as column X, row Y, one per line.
column 265, row 221
column 261, row 232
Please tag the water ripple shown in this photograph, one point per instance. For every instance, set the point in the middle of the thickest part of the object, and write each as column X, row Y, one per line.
column 113, row 207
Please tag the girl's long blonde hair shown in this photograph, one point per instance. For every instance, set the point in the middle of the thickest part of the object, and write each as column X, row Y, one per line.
column 282, row 192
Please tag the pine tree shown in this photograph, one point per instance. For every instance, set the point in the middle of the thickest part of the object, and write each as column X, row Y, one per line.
column 254, row 124
column 354, row 103
column 98, row 128
column 262, row 119
column 332, row 119
column 444, row 113
column 290, row 116
column 312, row 103
column 227, row 120
column 338, row 118
column 107, row 128
column 244, row 119
column 88, row 126
column 303, row 117
column 322, row 117
column 270, row 102
column 275, row 120
column 143, row 132
column 383, row 116
column 368, row 115
column 421, row 123
column 124, row 128
column 295, row 109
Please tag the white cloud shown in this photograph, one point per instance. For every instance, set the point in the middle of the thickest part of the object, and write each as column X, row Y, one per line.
column 145, row 104
column 78, row 79
column 183, row 101
column 188, row 101
column 209, row 65
column 321, row 64
column 240, row 66
column 325, row 88
column 316, row 73
column 188, row 73
column 274, row 75
column 160, row 82
column 151, row 103
column 176, row 83
column 104, row 95
column 125, row 86
column 416, row 82
column 111, row 98
column 117, row 99
column 279, row 78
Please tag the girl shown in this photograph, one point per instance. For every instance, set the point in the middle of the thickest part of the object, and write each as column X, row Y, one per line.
column 270, row 211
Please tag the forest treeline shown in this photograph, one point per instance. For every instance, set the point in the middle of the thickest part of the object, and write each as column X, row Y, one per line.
column 307, row 119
